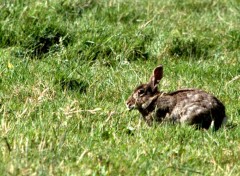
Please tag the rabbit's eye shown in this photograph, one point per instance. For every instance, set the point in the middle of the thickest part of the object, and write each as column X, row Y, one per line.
column 149, row 90
column 141, row 92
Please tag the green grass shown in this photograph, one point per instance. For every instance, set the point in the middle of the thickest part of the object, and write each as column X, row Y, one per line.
column 67, row 67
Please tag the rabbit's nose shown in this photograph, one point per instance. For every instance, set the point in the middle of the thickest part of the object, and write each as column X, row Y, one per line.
column 129, row 105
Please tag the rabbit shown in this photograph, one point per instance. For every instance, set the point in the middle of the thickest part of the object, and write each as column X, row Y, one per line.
column 189, row 106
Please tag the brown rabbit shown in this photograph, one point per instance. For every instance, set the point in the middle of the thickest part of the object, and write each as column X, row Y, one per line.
column 191, row 106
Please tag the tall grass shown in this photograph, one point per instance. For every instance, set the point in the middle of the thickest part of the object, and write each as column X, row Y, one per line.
column 67, row 67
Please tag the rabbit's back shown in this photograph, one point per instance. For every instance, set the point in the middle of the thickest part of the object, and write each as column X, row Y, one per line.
column 195, row 106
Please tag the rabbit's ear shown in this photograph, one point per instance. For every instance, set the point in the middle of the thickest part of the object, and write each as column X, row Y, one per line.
column 156, row 77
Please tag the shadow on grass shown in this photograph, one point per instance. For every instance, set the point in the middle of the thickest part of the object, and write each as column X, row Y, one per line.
column 180, row 47
column 73, row 85
column 46, row 41
column 231, row 125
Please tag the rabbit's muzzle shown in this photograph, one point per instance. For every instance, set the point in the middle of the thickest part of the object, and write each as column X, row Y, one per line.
column 130, row 103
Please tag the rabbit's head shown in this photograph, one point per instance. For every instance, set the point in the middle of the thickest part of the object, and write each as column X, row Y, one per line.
column 145, row 94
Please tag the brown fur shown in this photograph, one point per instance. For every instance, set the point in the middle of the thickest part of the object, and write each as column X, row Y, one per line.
column 191, row 106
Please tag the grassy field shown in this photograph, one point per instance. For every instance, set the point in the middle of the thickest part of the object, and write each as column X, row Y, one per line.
column 67, row 67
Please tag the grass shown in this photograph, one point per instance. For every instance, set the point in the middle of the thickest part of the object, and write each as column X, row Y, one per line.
column 67, row 67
